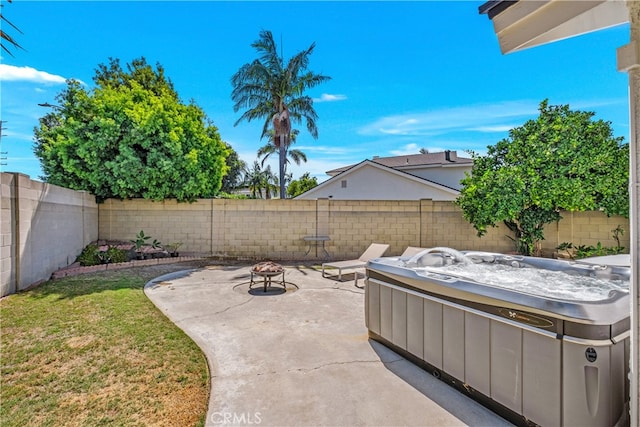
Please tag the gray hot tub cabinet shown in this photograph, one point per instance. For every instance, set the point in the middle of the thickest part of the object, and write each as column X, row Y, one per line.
column 535, row 361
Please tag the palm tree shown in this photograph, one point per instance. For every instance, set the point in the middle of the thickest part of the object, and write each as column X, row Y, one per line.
column 290, row 153
column 269, row 183
column 275, row 93
column 258, row 180
column 253, row 180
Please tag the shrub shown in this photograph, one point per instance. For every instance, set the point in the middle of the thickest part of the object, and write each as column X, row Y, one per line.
column 90, row 255
column 114, row 255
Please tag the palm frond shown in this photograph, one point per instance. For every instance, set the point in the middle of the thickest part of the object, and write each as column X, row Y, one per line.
column 269, row 51
column 265, row 151
column 297, row 156
column 4, row 36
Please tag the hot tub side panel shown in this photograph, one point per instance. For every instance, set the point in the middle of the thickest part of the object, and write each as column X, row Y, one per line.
column 531, row 373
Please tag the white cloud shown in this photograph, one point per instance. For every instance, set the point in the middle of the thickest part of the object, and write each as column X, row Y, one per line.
column 318, row 167
column 323, row 149
column 464, row 118
column 13, row 73
column 407, row 149
column 327, row 97
column 494, row 128
column 23, row 136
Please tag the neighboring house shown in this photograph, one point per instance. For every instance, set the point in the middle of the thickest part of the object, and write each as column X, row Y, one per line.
column 433, row 176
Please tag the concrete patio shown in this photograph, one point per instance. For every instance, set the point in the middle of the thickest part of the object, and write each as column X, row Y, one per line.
column 302, row 357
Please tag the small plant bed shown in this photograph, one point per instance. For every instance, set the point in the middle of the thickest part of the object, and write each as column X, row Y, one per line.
column 76, row 269
column 568, row 250
column 108, row 252
column 93, row 350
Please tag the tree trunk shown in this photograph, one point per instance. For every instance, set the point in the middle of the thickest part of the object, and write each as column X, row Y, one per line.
column 282, row 153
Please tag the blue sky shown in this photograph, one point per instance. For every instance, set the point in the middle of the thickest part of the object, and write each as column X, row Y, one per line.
column 405, row 75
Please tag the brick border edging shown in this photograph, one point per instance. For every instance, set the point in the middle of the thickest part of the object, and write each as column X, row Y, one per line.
column 74, row 271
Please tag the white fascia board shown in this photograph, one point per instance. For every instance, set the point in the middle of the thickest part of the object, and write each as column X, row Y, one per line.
column 530, row 23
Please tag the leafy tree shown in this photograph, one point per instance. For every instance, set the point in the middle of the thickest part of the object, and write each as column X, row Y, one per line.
column 235, row 171
column 563, row 160
column 130, row 137
column 274, row 93
column 301, row 185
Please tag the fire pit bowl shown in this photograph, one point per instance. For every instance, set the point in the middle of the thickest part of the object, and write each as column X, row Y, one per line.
column 267, row 270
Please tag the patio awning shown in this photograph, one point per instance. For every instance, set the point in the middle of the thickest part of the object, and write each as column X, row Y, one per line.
column 527, row 23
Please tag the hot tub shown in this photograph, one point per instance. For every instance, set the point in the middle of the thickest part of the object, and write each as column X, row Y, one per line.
column 537, row 354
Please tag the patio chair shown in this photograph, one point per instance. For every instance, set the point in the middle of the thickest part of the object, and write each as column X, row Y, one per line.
column 411, row 251
column 375, row 250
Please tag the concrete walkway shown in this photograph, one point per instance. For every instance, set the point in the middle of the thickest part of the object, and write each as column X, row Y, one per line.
column 302, row 358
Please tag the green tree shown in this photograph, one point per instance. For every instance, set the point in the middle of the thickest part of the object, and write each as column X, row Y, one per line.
column 563, row 160
column 301, row 185
column 273, row 92
column 130, row 137
column 235, row 172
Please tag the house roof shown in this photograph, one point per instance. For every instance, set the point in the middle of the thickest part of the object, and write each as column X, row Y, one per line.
column 411, row 161
column 494, row 7
column 387, row 169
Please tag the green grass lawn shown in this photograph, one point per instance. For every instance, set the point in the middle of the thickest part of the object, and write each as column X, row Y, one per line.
column 93, row 350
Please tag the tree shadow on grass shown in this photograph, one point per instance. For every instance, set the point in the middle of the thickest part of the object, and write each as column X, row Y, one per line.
column 134, row 278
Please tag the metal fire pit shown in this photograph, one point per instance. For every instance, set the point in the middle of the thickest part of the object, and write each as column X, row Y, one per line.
column 268, row 271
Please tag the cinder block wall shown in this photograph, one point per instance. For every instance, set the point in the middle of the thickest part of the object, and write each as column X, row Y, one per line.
column 44, row 227
column 444, row 225
column 586, row 228
column 355, row 224
column 245, row 229
column 274, row 229
column 167, row 221
column 260, row 229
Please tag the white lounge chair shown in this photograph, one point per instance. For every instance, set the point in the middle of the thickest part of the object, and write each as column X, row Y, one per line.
column 375, row 250
column 411, row 251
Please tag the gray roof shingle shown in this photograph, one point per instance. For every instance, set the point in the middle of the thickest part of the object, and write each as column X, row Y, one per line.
column 412, row 160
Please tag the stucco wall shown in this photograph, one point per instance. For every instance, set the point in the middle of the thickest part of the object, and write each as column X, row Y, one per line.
column 449, row 176
column 274, row 229
column 44, row 228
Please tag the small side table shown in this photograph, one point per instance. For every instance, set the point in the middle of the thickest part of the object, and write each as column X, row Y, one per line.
column 316, row 241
